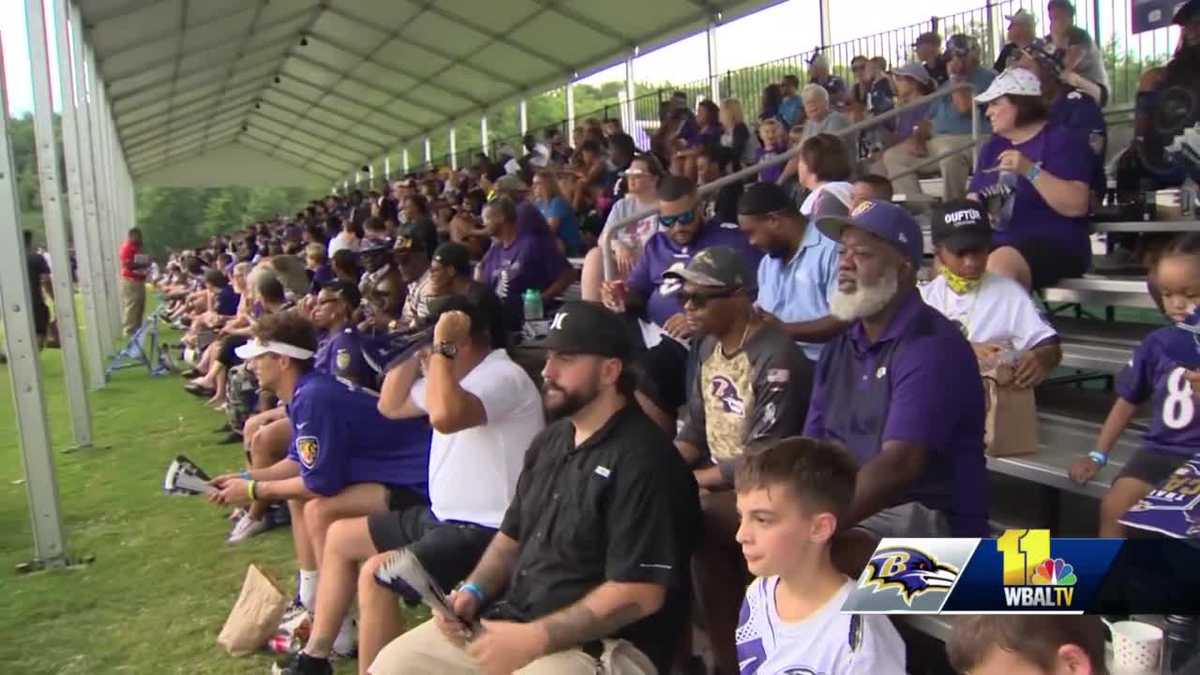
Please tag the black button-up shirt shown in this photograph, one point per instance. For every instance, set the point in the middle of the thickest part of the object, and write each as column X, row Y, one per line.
column 621, row 507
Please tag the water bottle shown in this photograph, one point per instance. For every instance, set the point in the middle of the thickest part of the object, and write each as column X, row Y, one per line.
column 1179, row 643
column 533, row 305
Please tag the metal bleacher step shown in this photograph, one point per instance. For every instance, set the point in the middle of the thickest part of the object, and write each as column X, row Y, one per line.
column 1100, row 290
column 1104, row 346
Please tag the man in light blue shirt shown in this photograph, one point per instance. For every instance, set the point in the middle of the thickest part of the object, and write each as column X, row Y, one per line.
column 799, row 273
column 948, row 127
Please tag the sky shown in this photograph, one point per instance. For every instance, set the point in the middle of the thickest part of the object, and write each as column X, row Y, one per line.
column 783, row 30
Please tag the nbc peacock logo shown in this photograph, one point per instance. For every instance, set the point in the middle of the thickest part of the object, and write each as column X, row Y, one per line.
column 1048, row 583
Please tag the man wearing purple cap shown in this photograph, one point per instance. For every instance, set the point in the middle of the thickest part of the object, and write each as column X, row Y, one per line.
column 900, row 388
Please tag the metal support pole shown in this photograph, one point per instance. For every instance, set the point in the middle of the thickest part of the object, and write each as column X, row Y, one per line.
column 453, row 148
column 387, row 169
column 991, row 30
column 346, row 186
column 629, row 123
column 483, row 136
column 1096, row 24
column 714, row 72
column 56, row 229
column 40, row 482
column 102, row 285
column 84, row 250
column 523, row 114
column 101, row 169
column 428, row 152
column 823, row 18
column 569, row 95
column 404, row 160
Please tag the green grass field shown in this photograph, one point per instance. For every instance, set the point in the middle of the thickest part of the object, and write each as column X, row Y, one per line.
column 163, row 580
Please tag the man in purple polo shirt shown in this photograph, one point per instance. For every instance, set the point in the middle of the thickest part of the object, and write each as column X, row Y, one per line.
column 519, row 260
column 652, row 295
column 900, row 388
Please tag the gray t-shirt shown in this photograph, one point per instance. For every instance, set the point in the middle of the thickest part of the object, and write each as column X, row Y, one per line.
column 834, row 121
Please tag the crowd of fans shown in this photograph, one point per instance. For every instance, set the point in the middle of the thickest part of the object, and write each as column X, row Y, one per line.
column 751, row 394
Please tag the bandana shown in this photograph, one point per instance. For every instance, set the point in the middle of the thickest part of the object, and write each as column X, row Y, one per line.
column 960, row 285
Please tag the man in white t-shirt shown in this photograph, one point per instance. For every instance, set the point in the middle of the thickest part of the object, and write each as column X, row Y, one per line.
column 792, row 496
column 994, row 312
column 484, row 410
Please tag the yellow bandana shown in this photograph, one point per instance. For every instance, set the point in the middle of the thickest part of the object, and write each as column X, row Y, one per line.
column 960, row 285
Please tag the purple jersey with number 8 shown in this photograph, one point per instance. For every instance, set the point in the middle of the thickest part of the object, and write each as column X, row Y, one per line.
column 1153, row 376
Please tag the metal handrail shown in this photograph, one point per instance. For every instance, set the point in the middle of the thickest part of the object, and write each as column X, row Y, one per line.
column 708, row 188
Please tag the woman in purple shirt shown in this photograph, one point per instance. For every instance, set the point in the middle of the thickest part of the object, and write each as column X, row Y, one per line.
column 1033, row 176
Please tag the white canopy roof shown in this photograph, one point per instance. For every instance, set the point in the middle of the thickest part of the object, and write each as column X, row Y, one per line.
column 208, row 92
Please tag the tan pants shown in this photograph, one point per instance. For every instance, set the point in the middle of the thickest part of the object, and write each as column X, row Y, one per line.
column 133, row 304
column 425, row 651
column 955, row 169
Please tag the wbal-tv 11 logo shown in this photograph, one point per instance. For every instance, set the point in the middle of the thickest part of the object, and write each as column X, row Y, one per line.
column 1022, row 571
column 1033, row 578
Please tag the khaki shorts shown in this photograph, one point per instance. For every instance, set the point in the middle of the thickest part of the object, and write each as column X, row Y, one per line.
column 425, row 651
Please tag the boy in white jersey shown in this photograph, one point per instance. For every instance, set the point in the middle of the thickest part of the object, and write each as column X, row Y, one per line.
column 995, row 313
column 791, row 497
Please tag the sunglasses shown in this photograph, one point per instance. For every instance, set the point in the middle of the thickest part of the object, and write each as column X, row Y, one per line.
column 699, row 300
column 684, row 218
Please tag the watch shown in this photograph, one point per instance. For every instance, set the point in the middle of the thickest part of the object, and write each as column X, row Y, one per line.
column 446, row 349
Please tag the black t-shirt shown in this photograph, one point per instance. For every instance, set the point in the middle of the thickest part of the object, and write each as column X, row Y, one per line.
column 37, row 267
column 621, row 507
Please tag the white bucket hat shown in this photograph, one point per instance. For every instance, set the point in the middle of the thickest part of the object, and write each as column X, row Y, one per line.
column 1014, row 81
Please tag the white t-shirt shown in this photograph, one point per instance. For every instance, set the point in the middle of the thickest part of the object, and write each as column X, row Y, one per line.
column 839, row 189
column 820, row 644
column 1000, row 310
column 342, row 240
column 473, row 473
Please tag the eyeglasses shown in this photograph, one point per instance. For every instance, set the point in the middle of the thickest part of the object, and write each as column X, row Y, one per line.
column 684, row 218
column 699, row 300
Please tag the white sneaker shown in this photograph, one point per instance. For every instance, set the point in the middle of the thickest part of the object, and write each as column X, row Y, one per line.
column 345, row 646
column 246, row 527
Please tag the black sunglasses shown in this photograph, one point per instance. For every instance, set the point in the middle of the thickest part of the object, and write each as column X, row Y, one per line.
column 699, row 300
column 684, row 218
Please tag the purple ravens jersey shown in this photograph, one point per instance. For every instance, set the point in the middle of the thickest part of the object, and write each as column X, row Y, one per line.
column 339, row 438
column 340, row 354
column 662, row 255
column 1153, row 376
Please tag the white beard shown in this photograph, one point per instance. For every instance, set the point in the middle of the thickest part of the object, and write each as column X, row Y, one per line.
column 866, row 300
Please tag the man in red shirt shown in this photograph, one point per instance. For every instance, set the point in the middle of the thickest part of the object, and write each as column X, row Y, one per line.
column 133, row 281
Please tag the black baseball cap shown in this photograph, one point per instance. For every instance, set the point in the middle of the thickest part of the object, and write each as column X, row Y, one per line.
column 345, row 290
column 759, row 199
column 961, row 225
column 588, row 328
column 454, row 255
column 374, row 245
column 419, row 235
column 716, row 267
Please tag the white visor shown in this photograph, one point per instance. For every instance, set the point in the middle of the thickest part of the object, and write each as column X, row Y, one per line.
column 256, row 348
column 1016, row 81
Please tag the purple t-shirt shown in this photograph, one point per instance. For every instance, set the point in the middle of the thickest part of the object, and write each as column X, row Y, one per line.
column 227, row 301
column 1153, row 376
column 771, row 173
column 1018, row 212
column 530, row 219
column 321, row 276
column 662, row 254
column 906, row 120
column 934, row 398
column 530, row 261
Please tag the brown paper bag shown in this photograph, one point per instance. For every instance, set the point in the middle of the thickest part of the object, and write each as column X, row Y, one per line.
column 1012, row 423
column 255, row 616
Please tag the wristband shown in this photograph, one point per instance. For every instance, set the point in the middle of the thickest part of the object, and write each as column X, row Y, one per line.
column 250, row 490
column 474, row 589
column 1033, row 172
column 245, row 474
column 1098, row 457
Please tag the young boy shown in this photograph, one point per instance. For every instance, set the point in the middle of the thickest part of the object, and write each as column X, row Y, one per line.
column 791, row 496
column 1027, row 644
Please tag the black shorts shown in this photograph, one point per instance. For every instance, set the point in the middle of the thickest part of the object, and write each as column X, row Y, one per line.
column 1151, row 466
column 662, row 374
column 226, row 355
column 41, row 317
column 449, row 550
column 1048, row 262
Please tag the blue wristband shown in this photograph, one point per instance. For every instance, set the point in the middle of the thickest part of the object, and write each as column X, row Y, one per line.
column 1033, row 172
column 245, row 474
column 1098, row 457
column 476, row 591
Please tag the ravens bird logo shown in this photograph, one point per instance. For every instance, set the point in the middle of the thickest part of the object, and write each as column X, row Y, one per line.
column 910, row 571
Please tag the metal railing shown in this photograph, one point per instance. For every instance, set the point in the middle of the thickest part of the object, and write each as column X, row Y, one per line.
column 606, row 235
